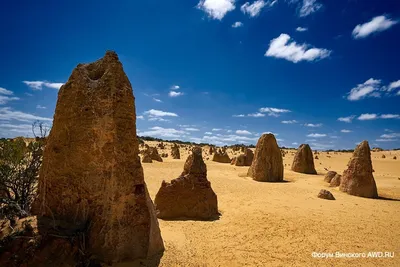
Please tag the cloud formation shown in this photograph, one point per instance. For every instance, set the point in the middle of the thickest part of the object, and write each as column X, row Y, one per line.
column 301, row 29
column 283, row 47
column 348, row 119
column 237, row 24
column 216, row 9
column 376, row 24
column 253, row 9
column 38, row 85
column 7, row 114
column 289, row 122
column 316, row 135
column 175, row 94
column 308, row 7
column 275, row 112
column 6, row 96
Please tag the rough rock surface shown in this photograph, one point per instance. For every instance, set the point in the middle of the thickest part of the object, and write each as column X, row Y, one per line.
column 244, row 159
column 325, row 194
column 303, row 161
column 153, row 152
column 329, row 176
column 146, row 158
column 91, row 173
column 221, row 156
column 248, row 153
column 335, row 182
column 358, row 179
column 267, row 165
column 240, row 160
column 189, row 196
column 175, row 154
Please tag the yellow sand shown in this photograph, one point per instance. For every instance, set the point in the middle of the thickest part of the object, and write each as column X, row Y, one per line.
column 281, row 224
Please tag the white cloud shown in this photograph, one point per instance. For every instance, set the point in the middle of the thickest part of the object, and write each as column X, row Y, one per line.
column 316, row 135
column 394, row 85
column 6, row 96
column 239, row 116
column 367, row 116
column 386, row 140
column 4, row 91
column 40, row 107
column 175, row 94
column 38, row 85
column 256, row 115
column 191, row 129
column 237, row 24
column 313, row 125
column 159, row 113
column 12, row 130
column 8, row 114
column 295, row 143
column 289, row 122
column 346, row 119
column 301, row 29
column 140, row 117
column 390, row 116
column 281, row 47
column 175, row 87
column 6, row 99
column 245, row 132
column 345, row 131
column 157, row 119
column 320, row 146
column 253, row 9
column 157, row 100
column 274, row 111
column 369, row 88
column 391, row 135
column 309, row 7
column 216, row 129
column 162, row 132
column 377, row 24
column 208, row 133
column 216, row 9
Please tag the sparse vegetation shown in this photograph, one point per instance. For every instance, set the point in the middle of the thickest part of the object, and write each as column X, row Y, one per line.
column 19, row 169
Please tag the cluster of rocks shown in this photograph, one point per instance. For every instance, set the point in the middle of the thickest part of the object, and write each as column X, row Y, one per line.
column 189, row 196
column 333, row 178
column 91, row 175
column 150, row 154
column 244, row 159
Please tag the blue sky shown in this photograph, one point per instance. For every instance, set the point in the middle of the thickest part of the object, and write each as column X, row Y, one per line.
column 219, row 71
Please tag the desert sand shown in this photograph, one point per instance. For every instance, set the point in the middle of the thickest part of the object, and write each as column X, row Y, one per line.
column 281, row 224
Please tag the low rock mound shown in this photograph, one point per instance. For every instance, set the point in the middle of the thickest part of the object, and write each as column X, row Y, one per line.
column 221, row 157
column 267, row 165
column 325, row 194
column 358, row 179
column 189, row 196
column 335, row 182
column 303, row 161
column 153, row 152
column 329, row 176
column 146, row 158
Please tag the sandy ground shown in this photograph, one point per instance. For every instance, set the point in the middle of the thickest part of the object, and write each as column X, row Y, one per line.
column 281, row 224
